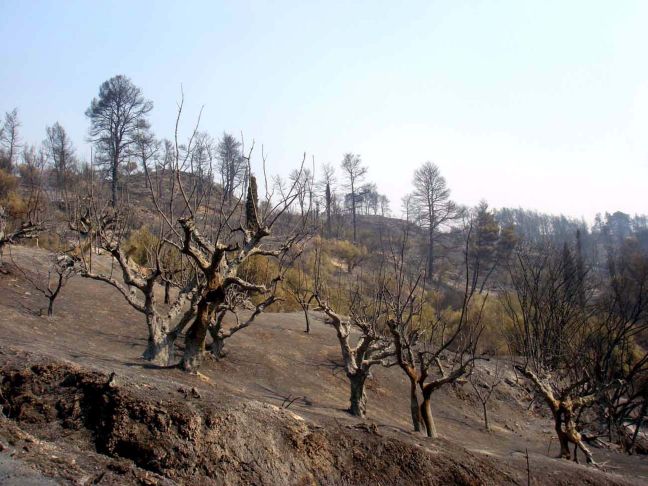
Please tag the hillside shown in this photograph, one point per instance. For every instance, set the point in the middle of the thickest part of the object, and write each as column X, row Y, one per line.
column 81, row 407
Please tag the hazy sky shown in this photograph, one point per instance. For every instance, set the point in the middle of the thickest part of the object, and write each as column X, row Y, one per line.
column 542, row 105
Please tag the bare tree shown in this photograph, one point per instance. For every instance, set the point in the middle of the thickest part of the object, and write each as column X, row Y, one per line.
column 219, row 249
column 9, row 140
column 61, row 152
column 303, row 182
column 624, row 303
column 370, row 348
column 116, row 117
column 106, row 228
column 219, row 265
column 298, row 286
column 354, row 172
column 61, row 269
column 484, row 384
column 431, row 198
column 145, row 148
column 232, row 165
column 326, row 187
column 424, row 335
column 569, row 336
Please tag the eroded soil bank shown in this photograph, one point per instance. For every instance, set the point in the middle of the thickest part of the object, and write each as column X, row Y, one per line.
column 87, row 427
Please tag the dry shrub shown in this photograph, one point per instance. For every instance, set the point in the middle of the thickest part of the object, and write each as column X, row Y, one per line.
column 346, row 252
column 15, row 206
column 141, row 246
column 8, row 183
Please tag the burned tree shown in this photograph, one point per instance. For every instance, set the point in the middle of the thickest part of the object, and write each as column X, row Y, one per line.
column 484, row 385
column 431, row 198
column 61, row 153
column 232, row 165
column 219, row 248
column 624, row 303
column 371, row 347
column 574, row 334
column 298, row 286
column 117, row 116
column 61, row 269
column 25, row 231
column 9, row 140
column 219, row 262
column 549, row 329
column 105, row 229
column 355, row 173
column 425, row 336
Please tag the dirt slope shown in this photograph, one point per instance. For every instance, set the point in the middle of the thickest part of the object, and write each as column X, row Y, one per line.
column 81, row 407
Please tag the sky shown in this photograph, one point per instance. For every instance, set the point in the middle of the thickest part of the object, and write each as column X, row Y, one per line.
column 534, row 104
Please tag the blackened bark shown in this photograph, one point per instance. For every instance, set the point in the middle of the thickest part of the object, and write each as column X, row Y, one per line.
column 115, row 178
column 195, row 338
column 428, row 419
column 415, row 408
column 305, row 309
column 160, row 349
column 167, row 292
column 358, row 395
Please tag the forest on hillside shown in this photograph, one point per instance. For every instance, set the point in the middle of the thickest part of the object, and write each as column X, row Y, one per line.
column 200, row 245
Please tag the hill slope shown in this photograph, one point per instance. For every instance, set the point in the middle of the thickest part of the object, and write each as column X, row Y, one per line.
column 80, row 406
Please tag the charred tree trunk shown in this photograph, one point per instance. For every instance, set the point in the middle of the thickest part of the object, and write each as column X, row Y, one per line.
column 167, row 292
column 428, row 419
column 306, row 316
column 216, row 347
column 485, row 410
column 358, row 396
column 562, row 437
column 414, row 407
column 115, row 179
column 195, row 339
column 430, row 255
column 328, row 210
column 218, row 340
column 160, row 350
column 160, row 345
column 638, row 424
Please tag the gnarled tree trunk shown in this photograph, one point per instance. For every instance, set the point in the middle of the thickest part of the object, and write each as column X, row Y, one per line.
column 358, row 396
column 160, row 345
column 218, row 340
column 167, row 292
column 415, row 409
column 426, row 412
column 195, row 338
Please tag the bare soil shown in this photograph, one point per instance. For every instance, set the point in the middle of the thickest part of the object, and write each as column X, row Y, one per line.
column 81, row 407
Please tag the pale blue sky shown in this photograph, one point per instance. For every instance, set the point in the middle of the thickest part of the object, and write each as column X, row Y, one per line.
column 541, row 104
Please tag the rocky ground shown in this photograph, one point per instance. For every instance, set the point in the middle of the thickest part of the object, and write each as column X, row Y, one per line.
column 79, row 406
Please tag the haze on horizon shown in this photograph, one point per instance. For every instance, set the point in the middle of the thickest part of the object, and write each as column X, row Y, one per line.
column 540, row 106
